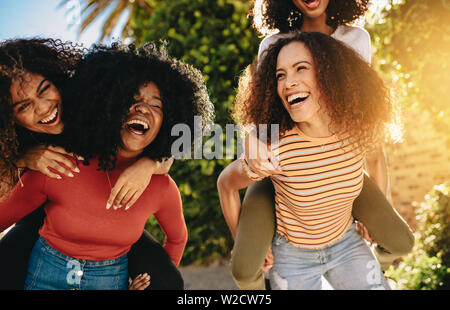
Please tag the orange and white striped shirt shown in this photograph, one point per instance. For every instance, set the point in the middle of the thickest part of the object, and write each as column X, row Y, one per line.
column 315, row 192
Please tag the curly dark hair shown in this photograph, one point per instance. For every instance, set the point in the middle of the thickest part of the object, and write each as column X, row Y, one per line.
column 50, row 58
column 102, row 90
column 354, row 95
column 271, row 15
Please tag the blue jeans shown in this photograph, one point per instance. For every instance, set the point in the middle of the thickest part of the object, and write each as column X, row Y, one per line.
column 49, row 269
column 347, row 265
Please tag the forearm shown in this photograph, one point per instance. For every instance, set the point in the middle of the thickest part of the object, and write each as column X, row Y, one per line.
column 175, row 246
column 22, row 200
column 230, row 203
column 377, row 169
column 230, row 181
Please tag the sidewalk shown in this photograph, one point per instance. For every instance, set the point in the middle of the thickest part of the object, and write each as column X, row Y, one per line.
column 215, row 277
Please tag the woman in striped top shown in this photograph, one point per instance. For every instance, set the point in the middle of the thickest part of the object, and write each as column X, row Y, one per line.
column 331, row 108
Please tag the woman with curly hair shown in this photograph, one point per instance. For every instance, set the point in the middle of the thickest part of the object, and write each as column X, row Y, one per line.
column 394, row 238
column 331, row 108
column 49, row 64
column 121, row 106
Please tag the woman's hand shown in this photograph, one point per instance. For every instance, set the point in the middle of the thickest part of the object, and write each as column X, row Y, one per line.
column 141, row 282
column 268, row 262
column 362, row 230
column 259, row 156
column 41, row 158
column 134, row 180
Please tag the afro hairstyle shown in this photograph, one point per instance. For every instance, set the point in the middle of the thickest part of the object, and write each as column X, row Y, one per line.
column 102, row 90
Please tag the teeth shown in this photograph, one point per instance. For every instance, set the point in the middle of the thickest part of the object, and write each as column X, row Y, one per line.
column 302, row 95
column 135, row 121
column 50, row 118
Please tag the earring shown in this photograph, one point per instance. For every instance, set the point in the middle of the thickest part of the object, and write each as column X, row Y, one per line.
column 294, row 15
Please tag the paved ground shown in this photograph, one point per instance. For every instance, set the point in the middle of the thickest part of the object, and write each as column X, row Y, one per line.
column 214, row 277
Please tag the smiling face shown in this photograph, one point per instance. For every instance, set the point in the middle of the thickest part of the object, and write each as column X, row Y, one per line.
column 143, row 122
column 36, row 104
column 297, row 84
column 312, row 8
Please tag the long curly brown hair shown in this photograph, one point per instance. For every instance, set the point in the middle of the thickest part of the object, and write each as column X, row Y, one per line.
column 50, row 58
column 282, row 15
column 353, row 94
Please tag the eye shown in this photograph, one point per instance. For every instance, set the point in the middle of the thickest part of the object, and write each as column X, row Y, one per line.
column 23, row 107
column 279, row 76
column 46, row 87
column 300, row 68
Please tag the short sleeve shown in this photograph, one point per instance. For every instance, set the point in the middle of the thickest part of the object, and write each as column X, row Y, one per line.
column 250, row 173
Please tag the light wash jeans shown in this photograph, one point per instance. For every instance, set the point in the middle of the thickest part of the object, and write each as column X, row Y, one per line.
column 49, row 269
column 347, row 265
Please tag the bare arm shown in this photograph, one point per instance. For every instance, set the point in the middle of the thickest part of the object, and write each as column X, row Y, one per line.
column 230, row 181
column 377, row 169
column 42, row 158
column 134, row 180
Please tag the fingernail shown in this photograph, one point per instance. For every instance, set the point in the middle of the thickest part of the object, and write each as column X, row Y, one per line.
column 127, row 207
column 77, row 170
column 59, row 177
column 108, row 206
column 70, row 174
column 115, row 207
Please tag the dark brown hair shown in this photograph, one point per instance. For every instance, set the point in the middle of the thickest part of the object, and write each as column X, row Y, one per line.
column 53, row 59
column 283, row 15
column 353, row 94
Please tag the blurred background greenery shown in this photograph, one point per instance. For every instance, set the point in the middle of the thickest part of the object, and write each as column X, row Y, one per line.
column 411, row 44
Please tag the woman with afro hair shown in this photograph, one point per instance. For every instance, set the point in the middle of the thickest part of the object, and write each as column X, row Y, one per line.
column 251, row 255
column 325, row 131
column 146, row 255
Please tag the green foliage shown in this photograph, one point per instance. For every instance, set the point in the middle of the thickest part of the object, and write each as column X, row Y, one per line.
column 428, row 266
column 214, row 36
column 434, row 221
column 412, row 44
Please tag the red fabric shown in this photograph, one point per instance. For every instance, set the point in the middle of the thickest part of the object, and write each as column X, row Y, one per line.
column 78, row 224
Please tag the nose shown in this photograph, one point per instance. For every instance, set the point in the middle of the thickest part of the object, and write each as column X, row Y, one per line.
column 142, row 108
column 41, row 106
column 291, row 82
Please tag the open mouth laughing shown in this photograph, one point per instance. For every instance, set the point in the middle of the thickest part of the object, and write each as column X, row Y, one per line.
column 51, row 119
column 297, row 98
column 137, row 126
column 312, row 4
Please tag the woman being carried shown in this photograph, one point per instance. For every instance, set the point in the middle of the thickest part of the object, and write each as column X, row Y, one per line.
column 383, row 225
column 331, row 108
column 121, row 106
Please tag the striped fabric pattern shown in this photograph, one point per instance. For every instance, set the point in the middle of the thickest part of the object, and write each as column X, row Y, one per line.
column 314, row 195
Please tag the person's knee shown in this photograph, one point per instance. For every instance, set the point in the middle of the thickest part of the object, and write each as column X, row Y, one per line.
column 402, row 246
column 177, row 282
column 248, row 280
column 168, row 280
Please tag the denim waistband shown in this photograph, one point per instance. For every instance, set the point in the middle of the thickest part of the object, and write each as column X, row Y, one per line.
column 85, row 262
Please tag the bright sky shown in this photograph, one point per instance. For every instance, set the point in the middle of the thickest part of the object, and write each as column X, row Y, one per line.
column 44, row 18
